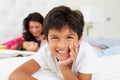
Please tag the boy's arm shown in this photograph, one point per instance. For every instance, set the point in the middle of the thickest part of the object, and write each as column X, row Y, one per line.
column 25, row 71
column 83, row 76
column 65, row 66
column 69, row 75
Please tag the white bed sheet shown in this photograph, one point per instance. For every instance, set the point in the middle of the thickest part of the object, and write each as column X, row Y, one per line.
column 109, row 69
column 7, row 65
column 13, row 53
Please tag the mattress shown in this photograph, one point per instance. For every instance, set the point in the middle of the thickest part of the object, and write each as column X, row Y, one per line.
column 109, row 68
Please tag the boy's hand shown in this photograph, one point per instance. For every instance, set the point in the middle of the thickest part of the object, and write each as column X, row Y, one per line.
column 73, row 55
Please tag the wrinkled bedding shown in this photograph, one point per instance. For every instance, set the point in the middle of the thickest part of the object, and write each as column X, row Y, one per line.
column 14, row 53
column 109, row 68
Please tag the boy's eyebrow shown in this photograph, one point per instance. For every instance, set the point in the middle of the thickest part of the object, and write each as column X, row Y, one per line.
column 73, row 34
column 56, row 35
column 52, row 35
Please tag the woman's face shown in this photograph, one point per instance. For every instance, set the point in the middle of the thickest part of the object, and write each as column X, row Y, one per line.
column 35, row 28
column 30, row 46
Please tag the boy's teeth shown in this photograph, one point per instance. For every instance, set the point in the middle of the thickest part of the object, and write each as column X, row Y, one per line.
column 62, row 52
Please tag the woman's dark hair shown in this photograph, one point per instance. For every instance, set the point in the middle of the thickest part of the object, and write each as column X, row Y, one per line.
column 60, row 16
column 31, row 17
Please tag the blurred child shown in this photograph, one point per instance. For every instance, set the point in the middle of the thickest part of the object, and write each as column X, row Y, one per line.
column 28, row 46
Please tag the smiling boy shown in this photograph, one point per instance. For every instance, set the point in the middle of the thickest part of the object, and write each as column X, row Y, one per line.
column 65, row 53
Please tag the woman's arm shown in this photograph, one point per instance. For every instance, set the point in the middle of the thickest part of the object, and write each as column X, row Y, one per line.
column 25, row 71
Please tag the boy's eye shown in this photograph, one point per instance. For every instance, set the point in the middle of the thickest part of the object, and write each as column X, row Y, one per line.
column 54, row 38
column 69, row 37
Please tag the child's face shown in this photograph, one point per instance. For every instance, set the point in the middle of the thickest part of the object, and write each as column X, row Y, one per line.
column 60, row 40
column 30, row 46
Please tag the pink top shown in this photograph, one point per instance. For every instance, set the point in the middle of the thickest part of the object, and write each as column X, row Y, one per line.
column 12, row 44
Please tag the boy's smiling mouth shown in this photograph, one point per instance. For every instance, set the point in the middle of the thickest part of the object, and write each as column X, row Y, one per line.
column 63, row 53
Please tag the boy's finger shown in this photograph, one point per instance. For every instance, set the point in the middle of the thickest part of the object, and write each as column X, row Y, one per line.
column 76, row 48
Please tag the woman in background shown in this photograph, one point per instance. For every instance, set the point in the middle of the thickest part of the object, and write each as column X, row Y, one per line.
column 32, row 31
column 33, row 28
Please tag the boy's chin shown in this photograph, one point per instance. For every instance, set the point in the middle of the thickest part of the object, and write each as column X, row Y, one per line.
column 62, row 59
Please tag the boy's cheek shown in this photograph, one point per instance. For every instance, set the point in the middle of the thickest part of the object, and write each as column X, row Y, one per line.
column 73, row 42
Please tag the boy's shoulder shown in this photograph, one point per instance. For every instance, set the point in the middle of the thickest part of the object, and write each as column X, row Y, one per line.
column 45, row 45
column 45, row 48
column 85, row 47
column 84, row 44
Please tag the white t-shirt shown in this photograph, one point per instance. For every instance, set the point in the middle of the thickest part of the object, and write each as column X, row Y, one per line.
column 86, row 61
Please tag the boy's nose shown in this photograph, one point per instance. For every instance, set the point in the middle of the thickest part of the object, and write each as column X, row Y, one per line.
column 62, row 44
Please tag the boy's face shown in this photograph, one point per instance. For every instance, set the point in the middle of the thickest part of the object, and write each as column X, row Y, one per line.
column 60, row 40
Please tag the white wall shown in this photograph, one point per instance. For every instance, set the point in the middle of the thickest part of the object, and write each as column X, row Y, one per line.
column 12, row 13
column 110, row 27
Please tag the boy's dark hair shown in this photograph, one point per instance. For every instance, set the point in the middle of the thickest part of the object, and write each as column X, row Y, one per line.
column 60, row 16
column 31, row 17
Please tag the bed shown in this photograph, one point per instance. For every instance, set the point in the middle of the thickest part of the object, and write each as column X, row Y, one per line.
column 7, row 53
column 11, row 27
column 109, row 67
